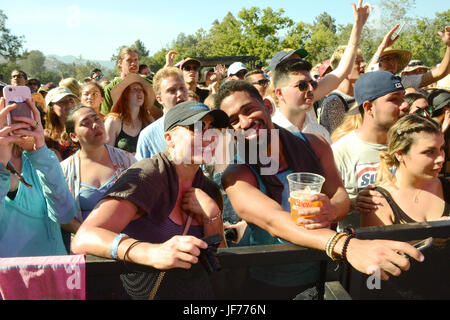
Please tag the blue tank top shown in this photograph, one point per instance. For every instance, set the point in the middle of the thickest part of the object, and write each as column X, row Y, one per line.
column 90, row 195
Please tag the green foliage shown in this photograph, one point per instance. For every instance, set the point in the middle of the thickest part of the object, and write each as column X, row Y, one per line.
column 256, row 32
column 10, row 45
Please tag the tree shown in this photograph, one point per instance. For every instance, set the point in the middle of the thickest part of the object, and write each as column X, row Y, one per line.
column 140, row 48
column 326, row 20
column 33, row 64
column 10, row 45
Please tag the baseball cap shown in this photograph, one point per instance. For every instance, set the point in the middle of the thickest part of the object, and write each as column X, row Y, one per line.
column 284, row 54
column 324, row 67
column 439, row 99
column 189, row 112
column 56, row 94
column 195, row 61
column 373, row 85
column 235, row 67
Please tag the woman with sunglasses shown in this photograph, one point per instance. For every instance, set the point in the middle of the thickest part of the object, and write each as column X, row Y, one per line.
column 159, row 209
column 34, row 198
column 418, row 104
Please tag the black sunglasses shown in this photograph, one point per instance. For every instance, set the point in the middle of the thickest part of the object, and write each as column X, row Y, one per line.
column 192, row 127
column 414, row 64
column 241, row 73
column 303, row 85
column 189, row 68
column 262, row 82
column 428, row 110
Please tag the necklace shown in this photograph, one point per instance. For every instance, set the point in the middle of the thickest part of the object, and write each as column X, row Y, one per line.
column 416, row 196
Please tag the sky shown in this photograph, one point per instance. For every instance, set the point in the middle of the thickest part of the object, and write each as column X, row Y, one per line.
column 95, row 29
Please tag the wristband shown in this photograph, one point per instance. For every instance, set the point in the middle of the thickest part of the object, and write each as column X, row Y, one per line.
column 344, row 248
column 115, row 245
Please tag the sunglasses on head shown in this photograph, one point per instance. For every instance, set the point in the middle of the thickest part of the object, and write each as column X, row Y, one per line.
column 303, row 85
column 262, row 82
column 414, row 64
column 190, row 67
column 428, row 110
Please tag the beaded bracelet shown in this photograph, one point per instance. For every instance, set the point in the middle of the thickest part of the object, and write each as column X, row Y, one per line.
column 332, row 243
column 344, row 248
column 213, row 219
column 115, row 245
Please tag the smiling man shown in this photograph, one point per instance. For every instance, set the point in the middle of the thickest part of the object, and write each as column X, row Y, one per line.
column 262, row 200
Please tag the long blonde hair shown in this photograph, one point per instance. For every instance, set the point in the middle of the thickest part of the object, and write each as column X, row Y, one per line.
column 351, row 122
column 401, row 137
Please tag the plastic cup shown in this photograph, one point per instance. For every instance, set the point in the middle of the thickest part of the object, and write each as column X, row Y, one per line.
column 301, row 186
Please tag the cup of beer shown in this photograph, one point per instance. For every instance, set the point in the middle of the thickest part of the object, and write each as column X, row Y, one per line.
column 301, row 186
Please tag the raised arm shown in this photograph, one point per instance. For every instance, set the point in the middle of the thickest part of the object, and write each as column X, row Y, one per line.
column 385, row 43
column 332, row 80
column 443, row 69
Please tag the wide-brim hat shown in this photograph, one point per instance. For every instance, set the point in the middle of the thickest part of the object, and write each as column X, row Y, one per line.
column 131, row 78
column 193, row 60
column 439, row 99
column 404, row 56
column 189, row 112
column 414, row 65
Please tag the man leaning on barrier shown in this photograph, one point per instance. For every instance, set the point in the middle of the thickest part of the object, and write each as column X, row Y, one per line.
column 259, row 199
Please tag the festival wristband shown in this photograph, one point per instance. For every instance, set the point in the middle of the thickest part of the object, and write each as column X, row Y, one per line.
column 115, row 245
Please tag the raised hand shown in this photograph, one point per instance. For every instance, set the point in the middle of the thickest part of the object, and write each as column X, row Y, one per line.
column 170, row 57
column 445, row 36
column 361, row 12
column 31, row 139
column 7, row 139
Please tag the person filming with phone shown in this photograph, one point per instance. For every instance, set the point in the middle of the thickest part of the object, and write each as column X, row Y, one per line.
column 34, row 197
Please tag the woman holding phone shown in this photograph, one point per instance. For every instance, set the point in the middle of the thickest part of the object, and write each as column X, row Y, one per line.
column 34, row 197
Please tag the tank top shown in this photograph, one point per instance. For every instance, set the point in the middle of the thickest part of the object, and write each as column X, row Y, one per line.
column 127, row 142
column 400, row 217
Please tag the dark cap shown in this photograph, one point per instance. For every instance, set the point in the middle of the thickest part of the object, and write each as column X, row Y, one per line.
column 439, row 99
column 189, row 112
column 284, row 54
column 373, row 85
column 192, row 60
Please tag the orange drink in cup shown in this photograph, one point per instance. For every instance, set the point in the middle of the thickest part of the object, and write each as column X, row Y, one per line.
column 301, row 186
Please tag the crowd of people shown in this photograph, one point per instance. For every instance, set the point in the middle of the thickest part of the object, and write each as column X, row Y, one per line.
column 130, row 168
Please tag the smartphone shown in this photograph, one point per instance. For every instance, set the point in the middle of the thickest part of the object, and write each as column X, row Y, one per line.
column 398, row 31
column 18, row 95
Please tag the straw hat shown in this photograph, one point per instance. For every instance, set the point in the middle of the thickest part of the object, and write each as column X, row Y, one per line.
column 404, row 56
column 131, row 78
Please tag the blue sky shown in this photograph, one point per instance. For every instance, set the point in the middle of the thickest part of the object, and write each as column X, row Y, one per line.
column 95, row 29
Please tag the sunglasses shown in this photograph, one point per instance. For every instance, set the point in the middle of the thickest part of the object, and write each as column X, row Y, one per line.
column 427, row 110
column 241, row 74
column 192, row 127
column 189, row 68
column 33, row 83
column 262, row 82
column 414, row 64
column 98, row 77
column 303, row 85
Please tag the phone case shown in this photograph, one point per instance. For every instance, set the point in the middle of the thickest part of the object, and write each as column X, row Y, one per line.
column 19, row 95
